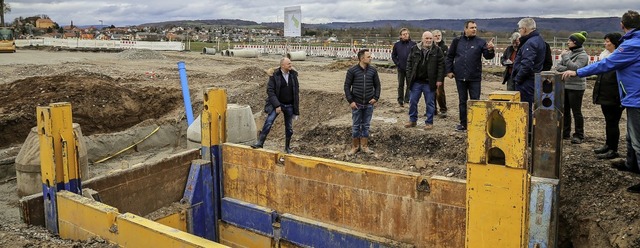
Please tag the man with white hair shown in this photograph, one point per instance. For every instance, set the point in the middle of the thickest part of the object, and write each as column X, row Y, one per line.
column 441, row 98
column 425, row 71
column 529, row 60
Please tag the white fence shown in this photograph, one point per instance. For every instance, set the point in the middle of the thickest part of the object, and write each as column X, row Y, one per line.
column 350, row 52
column 103, row 44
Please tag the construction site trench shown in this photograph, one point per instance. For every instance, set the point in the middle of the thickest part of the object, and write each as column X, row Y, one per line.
column 118, row 97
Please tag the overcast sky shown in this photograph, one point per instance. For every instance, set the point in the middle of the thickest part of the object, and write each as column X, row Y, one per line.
column 133, row 12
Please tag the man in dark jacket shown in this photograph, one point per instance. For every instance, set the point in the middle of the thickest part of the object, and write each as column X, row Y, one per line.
column 529, row 60
column 283, row 96
column 441, row 98
column 362, row 91
column 425, row 71
column 464, row 62
column 399, row 55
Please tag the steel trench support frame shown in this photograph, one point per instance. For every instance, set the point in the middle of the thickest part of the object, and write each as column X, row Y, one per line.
column 58, row 157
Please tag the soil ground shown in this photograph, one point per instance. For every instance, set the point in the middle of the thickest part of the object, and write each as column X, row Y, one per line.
column 113, row 92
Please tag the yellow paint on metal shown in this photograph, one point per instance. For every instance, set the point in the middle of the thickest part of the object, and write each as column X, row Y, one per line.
column 497, row 206
column 176, row 220
column 205, row 131
column 497, row 133
column 497, row 176
column 233, row 173
column 238, row 237
column 215, row 103
column 81, row 218
column 58, row 154
column 510, row 96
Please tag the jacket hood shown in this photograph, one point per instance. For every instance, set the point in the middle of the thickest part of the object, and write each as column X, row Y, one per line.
column 419, row 45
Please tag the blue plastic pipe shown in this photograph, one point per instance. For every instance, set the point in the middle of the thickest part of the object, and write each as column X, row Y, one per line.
column 185, row 92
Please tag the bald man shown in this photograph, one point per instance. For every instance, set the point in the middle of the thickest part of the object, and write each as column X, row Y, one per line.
column 425, row 71
column 283, row 96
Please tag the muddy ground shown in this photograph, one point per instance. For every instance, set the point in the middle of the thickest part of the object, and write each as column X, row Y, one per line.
column 114, row 92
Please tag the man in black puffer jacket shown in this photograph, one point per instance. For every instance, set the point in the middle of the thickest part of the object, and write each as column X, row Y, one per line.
column 464, row 62
column 283, row 96
column 362, row 90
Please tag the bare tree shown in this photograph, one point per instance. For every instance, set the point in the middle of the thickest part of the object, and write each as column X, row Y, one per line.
column 5, row 8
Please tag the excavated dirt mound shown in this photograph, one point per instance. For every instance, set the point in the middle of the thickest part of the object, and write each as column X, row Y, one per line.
column 99, row 102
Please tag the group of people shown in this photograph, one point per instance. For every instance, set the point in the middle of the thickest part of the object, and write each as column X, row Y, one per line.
column 422, row 67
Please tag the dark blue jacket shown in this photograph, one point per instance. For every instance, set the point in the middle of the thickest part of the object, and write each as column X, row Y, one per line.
column 626, row 62
column 362, row 85
column 529, row 61
column 464, row 58
column 400, row 53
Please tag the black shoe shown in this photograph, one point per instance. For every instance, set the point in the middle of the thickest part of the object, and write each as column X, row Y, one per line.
column 601, row 150
column 256, row 145
column 287, row 146
column 461, row 128
column 576, row 140
column 566, row 137
column 622, row 166
column 611, row 154
column 634, row 189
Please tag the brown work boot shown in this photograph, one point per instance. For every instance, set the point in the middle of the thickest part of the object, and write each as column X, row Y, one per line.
column 428, row 126
column 364, row 142
column 409, row 124
column 355, row 146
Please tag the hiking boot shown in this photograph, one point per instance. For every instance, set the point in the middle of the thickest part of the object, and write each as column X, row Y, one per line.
column 287, row 146
column 601, row 150
column 355, row 146
column 461, row 128
column 428, row 127
column 576, row 140
column 364, row 143
column 260, row 142
column 410, row 124
column 611, row 154
column 634, row 189
column 443, row 114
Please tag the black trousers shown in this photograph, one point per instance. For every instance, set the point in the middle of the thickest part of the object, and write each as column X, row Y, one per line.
column 573, row 105
column 403, row 94
column 612, row 114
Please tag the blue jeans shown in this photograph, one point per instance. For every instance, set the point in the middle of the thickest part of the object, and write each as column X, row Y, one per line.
column 633, row 138
column 361, row 118
column 287, row 110
column 466, row 90
column 429, row 97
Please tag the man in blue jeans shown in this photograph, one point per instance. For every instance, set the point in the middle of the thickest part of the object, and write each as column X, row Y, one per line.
column 362, row 91
column 425, row 71
column 626, row 62
column 283, row 96
column 464, row 62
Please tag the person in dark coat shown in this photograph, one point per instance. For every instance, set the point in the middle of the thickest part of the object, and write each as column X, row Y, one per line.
column 425, row 71
column 283, row 97
column 529, row 61
column 399, row 55
column 507, row 59
column 362, row 91
column 441, row 98
column 605, row 93
column 464, row 62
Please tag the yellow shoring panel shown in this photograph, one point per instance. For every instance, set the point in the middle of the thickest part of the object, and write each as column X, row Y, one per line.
column 175, row 220
column 497, row 177
column 82, row 218
column 238, row 237
column 55, row 129
column 485, row 116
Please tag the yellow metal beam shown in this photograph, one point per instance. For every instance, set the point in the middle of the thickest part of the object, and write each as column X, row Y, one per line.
column 175, row 220
column 215, row 104
column 238, row 237
column 81, row 218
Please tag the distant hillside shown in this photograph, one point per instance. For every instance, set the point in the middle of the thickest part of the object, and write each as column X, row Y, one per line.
column 602, row 24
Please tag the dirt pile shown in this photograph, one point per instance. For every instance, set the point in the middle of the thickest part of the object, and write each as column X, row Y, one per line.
column 136, row 54
column 99, row 102
column 341, row 65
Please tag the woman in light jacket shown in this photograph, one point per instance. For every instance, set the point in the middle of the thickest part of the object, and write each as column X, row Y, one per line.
column 573, row 59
